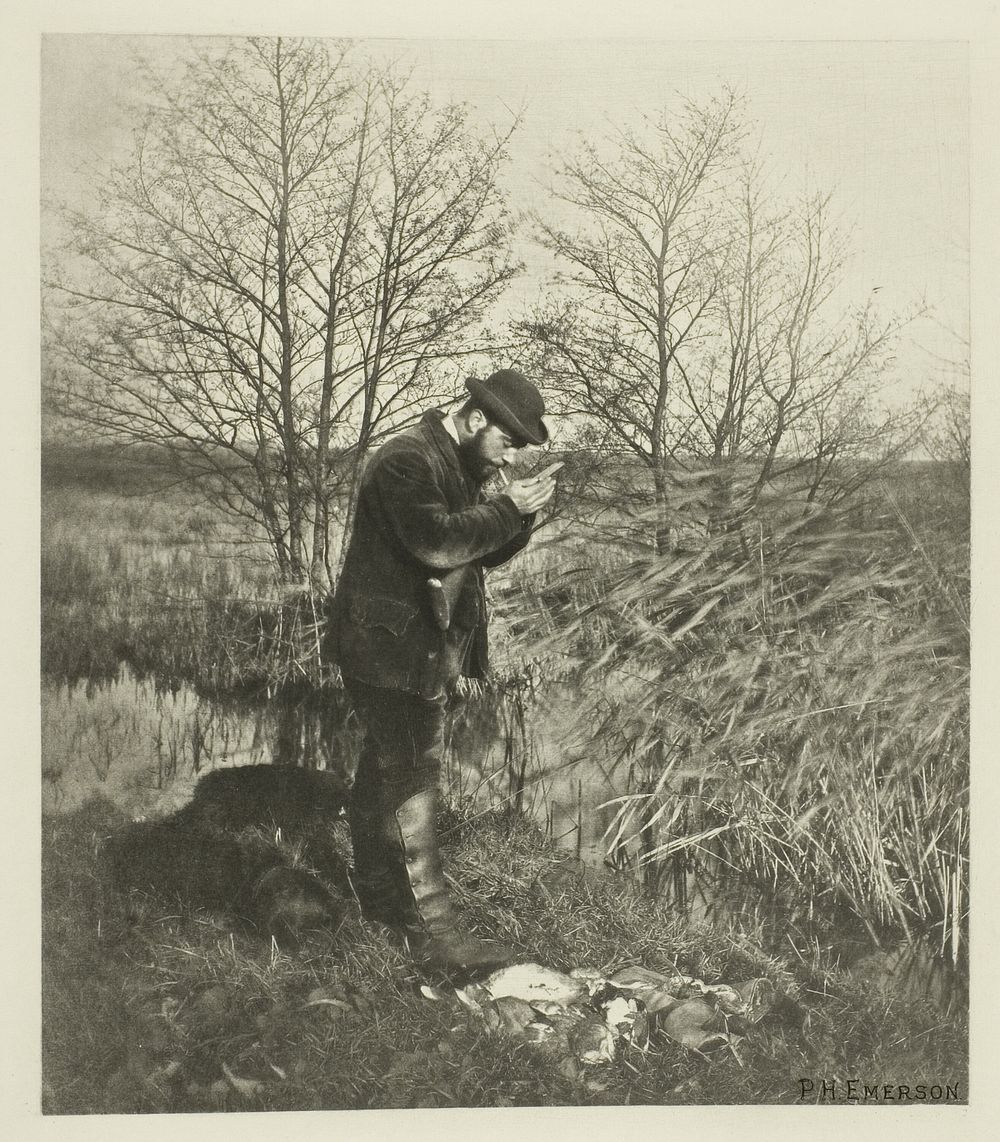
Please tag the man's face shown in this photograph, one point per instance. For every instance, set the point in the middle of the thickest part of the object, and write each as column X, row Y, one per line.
column 488, row 451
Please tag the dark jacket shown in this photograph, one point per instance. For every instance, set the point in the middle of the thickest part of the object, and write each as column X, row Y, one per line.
column 419, row 516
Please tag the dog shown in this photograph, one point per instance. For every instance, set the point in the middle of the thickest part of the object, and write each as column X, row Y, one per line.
column 211, row 854
column 282, row 797
column 192, row 870
column 288, row 902
column 175, row 865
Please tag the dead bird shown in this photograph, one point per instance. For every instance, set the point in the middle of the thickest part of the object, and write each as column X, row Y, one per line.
column 272, row 796
column 584, row 1014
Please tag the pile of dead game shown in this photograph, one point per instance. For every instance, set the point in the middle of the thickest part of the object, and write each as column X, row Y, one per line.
column 585, row 1015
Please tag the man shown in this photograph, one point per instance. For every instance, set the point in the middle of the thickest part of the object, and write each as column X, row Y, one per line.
column 408, row 617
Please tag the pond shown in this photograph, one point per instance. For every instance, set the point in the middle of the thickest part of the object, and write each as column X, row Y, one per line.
column 144, row 747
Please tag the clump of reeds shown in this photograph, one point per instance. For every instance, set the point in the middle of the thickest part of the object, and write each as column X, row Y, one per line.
column 792, row 698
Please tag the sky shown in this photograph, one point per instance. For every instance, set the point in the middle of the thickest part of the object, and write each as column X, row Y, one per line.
column 884, row 125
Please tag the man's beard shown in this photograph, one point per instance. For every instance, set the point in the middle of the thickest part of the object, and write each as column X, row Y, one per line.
column 473, row 460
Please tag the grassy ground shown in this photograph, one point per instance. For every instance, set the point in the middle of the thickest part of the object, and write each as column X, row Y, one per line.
column 157, row 1009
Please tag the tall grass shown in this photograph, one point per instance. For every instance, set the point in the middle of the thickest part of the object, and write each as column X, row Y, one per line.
column 791, row 698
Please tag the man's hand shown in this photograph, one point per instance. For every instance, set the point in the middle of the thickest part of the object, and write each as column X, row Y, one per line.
column 531, row 494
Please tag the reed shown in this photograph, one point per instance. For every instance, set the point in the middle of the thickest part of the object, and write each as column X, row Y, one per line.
column 792, row 699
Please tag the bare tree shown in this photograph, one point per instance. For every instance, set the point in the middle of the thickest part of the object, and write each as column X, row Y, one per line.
column 436, row 238
column 948, row 436
column 642, row 279
column 696, row 320
column 269, row 284
column 786, row 389
column 947, row 433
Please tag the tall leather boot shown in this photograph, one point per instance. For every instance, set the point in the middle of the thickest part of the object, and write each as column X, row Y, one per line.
column 435, row 934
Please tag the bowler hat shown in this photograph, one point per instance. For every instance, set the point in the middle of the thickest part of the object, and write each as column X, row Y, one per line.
column 513, row 402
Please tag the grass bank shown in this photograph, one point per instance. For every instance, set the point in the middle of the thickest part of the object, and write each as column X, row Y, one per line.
column 154, row 1009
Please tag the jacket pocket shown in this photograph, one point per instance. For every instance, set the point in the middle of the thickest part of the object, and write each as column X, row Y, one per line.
column 380, row 612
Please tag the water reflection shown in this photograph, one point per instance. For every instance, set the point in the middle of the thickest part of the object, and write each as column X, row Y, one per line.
column 143, row 746
column 830, row 937
column 530, row 751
